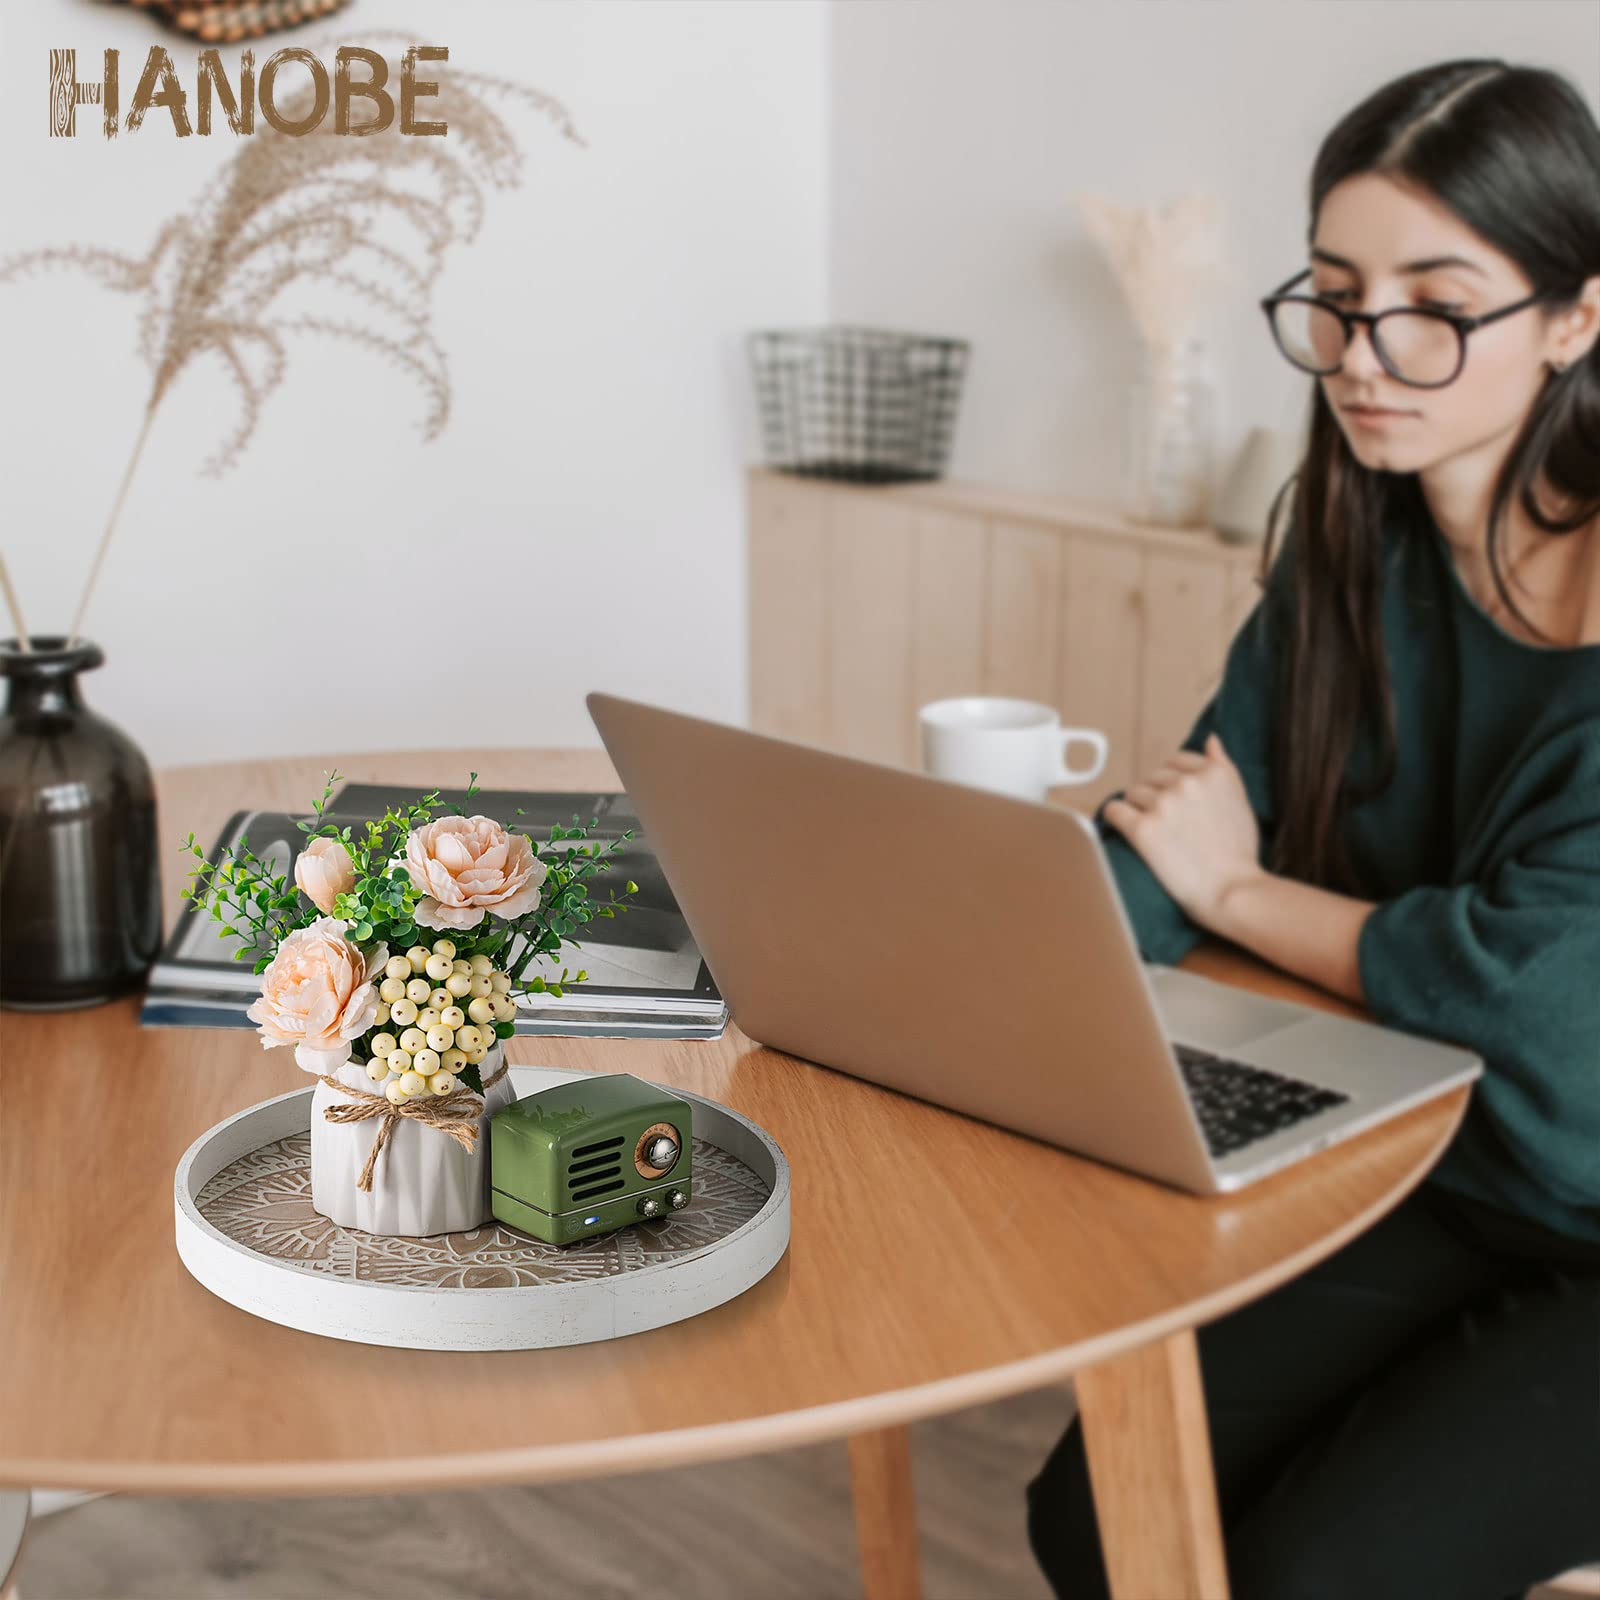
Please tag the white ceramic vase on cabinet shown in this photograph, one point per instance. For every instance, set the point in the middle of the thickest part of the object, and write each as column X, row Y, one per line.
column 1171, row 446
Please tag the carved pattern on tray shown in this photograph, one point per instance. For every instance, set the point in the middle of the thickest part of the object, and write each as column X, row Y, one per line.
column 263, row 1201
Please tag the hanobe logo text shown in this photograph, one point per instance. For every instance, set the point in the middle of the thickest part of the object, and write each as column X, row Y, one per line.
column 159, row 86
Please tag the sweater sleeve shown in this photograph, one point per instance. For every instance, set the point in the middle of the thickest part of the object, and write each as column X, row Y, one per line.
column 1240, row 711
column 1509, row 966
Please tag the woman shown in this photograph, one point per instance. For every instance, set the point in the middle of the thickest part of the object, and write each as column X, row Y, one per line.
column 1395, row 794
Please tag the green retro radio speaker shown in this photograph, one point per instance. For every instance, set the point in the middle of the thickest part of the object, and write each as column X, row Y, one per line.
column 589, row 1156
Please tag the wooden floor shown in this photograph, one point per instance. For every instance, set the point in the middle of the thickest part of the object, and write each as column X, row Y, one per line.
column 779, row 1526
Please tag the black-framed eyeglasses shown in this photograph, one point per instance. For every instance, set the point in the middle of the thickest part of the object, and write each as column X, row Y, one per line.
column 1417, row 346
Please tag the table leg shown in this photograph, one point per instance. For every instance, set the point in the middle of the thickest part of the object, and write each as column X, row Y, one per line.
column 1155, row 1494
column 886, row 1514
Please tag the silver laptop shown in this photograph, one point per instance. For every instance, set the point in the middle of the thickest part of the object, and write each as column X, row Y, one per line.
column 973, row 950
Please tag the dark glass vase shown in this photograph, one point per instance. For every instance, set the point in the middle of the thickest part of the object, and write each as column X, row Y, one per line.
column 80, row 886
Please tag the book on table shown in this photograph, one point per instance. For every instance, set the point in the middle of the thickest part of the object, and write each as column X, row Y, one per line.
column 646, row 976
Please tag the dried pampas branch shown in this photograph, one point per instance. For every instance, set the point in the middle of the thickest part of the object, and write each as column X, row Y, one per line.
column 1168, row 260
column 363, row 220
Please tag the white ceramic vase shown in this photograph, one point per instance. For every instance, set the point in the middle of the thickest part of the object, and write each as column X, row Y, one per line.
column 424, row 1182
column 1170, row 460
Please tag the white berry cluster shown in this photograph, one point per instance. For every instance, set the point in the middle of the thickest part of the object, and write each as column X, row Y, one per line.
column 447, row 1009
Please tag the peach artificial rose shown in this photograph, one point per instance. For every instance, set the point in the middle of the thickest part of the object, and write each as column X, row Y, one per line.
column 323, row 871
column 468, row 866
column 319, row 993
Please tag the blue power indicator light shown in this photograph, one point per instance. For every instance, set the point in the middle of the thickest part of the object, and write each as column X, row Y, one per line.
column 588, row 1220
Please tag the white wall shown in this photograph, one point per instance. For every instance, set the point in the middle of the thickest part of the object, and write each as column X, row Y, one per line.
column 580, row 522
column 961, row 131
column 578, row 525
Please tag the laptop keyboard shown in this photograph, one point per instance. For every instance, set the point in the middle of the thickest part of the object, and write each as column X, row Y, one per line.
column 1238, row 1104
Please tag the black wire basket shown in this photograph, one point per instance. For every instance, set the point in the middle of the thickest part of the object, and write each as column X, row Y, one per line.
column 863, row 404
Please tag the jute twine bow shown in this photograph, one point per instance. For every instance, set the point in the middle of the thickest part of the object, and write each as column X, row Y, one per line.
column 455, row 1114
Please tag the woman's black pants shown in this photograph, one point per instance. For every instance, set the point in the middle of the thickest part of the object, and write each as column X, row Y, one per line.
column 1416, row 1418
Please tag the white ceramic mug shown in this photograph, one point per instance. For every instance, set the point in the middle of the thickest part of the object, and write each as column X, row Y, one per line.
column 1016, row 747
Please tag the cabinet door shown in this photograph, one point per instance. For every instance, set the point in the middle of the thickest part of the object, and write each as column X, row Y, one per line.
column 870, row 608
column 789, row 666
column 1022, row 622
column 1185, row 640
column 947, row 634
column 1102, row 646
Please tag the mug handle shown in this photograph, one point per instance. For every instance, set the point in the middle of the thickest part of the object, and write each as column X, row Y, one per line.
column 1089, row 736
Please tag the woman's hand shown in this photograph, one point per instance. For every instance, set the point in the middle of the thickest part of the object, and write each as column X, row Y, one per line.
column 1193, row 824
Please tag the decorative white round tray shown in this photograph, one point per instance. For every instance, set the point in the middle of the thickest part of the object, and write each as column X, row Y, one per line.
column 247, row 1231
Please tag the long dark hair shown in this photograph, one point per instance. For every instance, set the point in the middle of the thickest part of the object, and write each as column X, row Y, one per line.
column 1514, row 152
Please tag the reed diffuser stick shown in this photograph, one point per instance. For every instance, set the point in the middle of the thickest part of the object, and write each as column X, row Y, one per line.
column 24, row 641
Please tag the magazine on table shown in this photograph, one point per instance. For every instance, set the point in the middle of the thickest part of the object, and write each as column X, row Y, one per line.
column 646, row 977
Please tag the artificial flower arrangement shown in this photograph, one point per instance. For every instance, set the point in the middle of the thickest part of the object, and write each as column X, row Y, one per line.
column 398, row 1027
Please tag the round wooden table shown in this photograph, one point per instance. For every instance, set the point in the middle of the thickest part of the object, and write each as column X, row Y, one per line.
column 935, row 1263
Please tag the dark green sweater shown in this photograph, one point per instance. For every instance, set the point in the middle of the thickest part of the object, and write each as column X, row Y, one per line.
column 1485, row 854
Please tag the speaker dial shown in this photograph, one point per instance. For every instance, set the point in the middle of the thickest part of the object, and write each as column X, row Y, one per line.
column 651, row 1156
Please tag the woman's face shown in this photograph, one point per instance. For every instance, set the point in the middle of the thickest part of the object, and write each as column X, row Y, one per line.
column 1370, row 251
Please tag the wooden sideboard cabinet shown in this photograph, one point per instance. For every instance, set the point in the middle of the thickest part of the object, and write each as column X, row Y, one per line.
column 866, row 603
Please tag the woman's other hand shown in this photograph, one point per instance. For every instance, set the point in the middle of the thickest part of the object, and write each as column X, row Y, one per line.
column 1193, row 824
